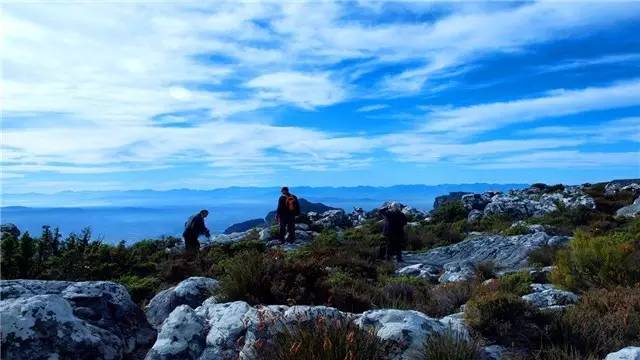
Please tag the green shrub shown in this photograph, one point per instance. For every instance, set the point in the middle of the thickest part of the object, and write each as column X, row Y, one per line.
column 244, row 277
column 600, row 261
column 449, row 212
column 542, row 256
column 556, row 352
column 519, row 229
column 494, row 223
column 609, row 204
column 445, row 299
column 322, row 339
column 450, row 345
column 502, row 316
column 516, row 283
column 485, row 270
column 547, row 189
column 141, row 289
column 604, row 320
column 565, row 220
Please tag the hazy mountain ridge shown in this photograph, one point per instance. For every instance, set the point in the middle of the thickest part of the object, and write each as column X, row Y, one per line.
column 162, row 198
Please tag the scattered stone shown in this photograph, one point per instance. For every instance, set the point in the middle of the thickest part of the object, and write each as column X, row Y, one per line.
column 330, row 219
column 474, row 216
column 628, row 353
column 81, row 320
column 405, row 329
column 232, row 330
column 10, row 229
column 451, row 197
column 476, row 201
column 631, row 210
column 493, row 352
column 182, row 336
column 458, row 261
column 431, row 273
column 192, row 291
column 547, row 295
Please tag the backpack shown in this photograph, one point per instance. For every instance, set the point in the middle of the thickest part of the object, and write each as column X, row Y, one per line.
column 292, row 204
column 188, row 225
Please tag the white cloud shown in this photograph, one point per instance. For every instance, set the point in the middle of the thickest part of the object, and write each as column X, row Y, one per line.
column 626, row 129
column 564, row 159
column 373, row 107
column 304, row 90
column 602, row 60
column 105, row 76
column 483, row 117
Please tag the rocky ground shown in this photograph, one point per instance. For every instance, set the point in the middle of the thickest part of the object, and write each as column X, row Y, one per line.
column 97, row 319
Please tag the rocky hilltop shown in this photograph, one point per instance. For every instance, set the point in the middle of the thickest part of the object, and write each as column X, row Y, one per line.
column 544, row 272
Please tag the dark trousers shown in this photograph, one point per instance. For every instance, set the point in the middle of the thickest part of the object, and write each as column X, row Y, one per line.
column 287, row 227
column 191, row 243
column 392, row 247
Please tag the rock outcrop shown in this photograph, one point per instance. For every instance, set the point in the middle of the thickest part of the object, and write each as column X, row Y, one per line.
column 192, row 291
column 628, row 353
column 458, row 261
column 79, row 320
column 615, row 186
column 245, row 225
column 521, row 204
column 330, row 219
column 548, row 297
column 10, row 229
column 452, row 196
column 232, row 330
column 632, row 210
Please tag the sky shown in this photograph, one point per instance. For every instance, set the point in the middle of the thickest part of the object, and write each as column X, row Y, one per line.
column 158, row 95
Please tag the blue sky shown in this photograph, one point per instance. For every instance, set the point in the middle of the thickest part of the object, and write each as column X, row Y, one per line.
column 124, row 95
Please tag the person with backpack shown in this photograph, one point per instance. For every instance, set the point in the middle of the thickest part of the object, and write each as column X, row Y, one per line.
column 288, row 209
column 193, row 228
column 393, row 231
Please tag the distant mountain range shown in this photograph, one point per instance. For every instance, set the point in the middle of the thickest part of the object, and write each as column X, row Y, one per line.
column 420, row 196
column 140, row 214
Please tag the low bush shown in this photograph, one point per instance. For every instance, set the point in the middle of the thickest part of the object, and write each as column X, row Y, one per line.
column 564, row 220
column 609, row 204
column 449, row 212
column 542, row 256
column 445, row 299
column 604, row 321
column 517, row 283
column 519, row 229
column 430, row 235
column 140, row 288
column 600, row 261
column 485, row 270
column 502, row 316
column 323, row 339
column 495, row 223
column 547, row 189
column 555, row 352
column 450, row 345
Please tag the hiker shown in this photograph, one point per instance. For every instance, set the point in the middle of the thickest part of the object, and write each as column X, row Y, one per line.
column 288, row 209
column 393, row 231
column 193, row 228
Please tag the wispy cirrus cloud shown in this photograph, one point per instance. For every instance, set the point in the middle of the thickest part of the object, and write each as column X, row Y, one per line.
column 617, row 59
column 373, row 107
column 484, row 117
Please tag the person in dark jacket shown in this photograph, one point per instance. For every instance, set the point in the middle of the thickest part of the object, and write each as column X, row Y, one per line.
column 393, row 231
column 193, row 228
column 288, row 209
